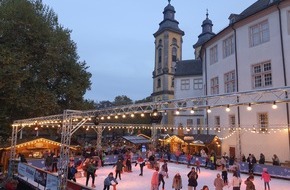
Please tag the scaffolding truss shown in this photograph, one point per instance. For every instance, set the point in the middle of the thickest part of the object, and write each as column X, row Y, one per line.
column 71, row 120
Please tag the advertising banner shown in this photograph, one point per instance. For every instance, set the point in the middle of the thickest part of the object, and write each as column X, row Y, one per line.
column 40, row 177
column 26, row 171
column 51, row 182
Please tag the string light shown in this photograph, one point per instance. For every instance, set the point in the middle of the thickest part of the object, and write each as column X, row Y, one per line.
column 208, row 110
column 228, row 108
column 249, row 108
column 192, row 111
column 274, row 106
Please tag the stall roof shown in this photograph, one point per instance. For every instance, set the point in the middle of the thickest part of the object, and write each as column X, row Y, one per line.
column 137, row 139
column 204, row 138
column 37, row 141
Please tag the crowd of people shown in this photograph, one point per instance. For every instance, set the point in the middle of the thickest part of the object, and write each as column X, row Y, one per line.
column 95, row 159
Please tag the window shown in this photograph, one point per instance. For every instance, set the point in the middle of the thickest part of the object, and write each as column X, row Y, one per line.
column 172, row 82
column 288, row 21
column 232, row 122
column 174, row 54
column 228, row 46
column 230, row 82
column 263, row 122
column 262, row 75
column 159, row 57
column 174, row 41
column 184, row 84
column 213, row 55
column 197, row 84
column 214, row 85
column 217, row 123
column 158, row 83
column 259, row 33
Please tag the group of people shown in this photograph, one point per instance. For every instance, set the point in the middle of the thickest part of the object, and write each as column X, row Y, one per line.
column 158, row 178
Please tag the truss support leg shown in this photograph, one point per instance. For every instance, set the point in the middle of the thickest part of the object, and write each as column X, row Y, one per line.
column 64, row 150
column 154, row 135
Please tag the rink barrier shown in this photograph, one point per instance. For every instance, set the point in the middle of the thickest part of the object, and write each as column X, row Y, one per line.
column 38, row 177
column 274, row 171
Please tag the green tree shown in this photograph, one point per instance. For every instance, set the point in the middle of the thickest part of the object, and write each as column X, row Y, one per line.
column 144, row 100
column 40, row 71
column 122, row 100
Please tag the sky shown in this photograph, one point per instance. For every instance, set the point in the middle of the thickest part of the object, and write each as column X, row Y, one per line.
column 115, row 38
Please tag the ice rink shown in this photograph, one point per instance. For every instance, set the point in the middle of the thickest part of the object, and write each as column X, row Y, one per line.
column 132, row 181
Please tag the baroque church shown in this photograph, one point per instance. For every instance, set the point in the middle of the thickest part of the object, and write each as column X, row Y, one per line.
column 248, row 55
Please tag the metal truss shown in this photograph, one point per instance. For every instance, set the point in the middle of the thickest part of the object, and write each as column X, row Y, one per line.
column 72, row 120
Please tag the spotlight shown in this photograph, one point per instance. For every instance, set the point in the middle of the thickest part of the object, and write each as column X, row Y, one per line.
column 155, row 116
column 132, row 115
column 96, row 119
column 208, row 110
column 165, row 112
column 192, row 111
column 116, row 117
column 249, row 108
column 108, row 117
column 228, row 108
column 177, row 112
column 124, row 116
column 274, row 106
column 142, row 114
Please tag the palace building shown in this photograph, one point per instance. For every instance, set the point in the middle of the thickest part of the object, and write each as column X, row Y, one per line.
column 251, row 54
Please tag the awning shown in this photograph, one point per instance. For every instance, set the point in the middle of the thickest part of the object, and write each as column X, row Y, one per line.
column 137, row 139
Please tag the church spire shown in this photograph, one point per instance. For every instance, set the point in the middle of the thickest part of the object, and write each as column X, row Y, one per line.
column 169, row 22
column 206, row 31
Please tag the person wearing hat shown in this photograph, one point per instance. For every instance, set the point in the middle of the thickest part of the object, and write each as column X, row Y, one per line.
column 108, row 181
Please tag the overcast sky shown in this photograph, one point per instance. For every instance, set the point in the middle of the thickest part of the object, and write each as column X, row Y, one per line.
column 115, row 37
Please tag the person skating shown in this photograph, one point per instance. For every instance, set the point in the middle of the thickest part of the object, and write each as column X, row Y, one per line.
column 249, row 183
column 218, row 182
column 192, row 179
column 155, row 179
column 141, row 163
column 108, row 181
column 91, row 169
column 177, row 182
column 119, row 168
column 236, row 181
column 267, row 178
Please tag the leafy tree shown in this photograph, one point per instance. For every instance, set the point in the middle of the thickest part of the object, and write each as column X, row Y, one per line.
column 104, row 104
column 122, row 100
column 40, row 71
column 147, row 99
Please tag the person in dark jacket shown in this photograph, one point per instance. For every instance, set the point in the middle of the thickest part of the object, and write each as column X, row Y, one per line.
column 192, row 179
column 249, row 183
column 91, row 169
column 119, row 168
column 108, row 181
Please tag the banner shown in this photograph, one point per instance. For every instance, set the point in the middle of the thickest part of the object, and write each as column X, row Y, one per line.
column 74, row 186
column 40, row 177
column 26, row 171
column 51, row 182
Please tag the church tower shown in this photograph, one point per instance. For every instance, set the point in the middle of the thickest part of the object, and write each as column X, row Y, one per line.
column 204, row 36
column 168, row 50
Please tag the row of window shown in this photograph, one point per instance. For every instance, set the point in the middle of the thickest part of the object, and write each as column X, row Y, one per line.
column 259, row 34
column 262, row 124
column 185, row 84
column 261, row 77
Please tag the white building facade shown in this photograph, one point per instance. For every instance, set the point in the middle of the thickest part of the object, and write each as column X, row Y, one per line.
column 250, row 54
